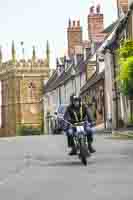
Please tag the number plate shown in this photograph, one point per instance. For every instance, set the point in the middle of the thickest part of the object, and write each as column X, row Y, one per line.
column 80, row 129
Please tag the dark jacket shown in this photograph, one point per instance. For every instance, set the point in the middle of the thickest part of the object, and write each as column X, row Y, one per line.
column 70, row 116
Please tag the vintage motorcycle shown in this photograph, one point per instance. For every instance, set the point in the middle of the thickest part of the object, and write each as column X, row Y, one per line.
column 80, row 140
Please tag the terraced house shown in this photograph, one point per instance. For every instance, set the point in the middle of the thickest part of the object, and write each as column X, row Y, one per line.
column 118, row 106
column 72, row 74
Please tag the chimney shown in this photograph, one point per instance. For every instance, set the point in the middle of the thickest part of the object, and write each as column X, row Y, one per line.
column 122, row 5
column 74, row 37
column 95, row 23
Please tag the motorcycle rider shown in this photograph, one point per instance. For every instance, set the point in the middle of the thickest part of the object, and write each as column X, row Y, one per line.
column 78, row 112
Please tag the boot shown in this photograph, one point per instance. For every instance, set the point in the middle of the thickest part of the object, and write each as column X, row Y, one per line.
column 90, row 140
column 90, row 148
column 72, row 145
column 73, row 152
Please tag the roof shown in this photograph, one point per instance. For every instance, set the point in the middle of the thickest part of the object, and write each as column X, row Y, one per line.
column 92, row 81
column 55, row 81
column 111, row 38
column 50, row 82
column 109, row 28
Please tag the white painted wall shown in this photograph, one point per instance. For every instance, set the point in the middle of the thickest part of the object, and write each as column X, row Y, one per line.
column 101, row 66
column 108, row 87
column 62, row 88
column 77, row 78
column 69, row 91
column 52, row 99
column 83, row 79
column 0, row 104
column 130, row 2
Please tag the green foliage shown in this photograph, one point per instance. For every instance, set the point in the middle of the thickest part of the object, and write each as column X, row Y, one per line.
column 27, row 130
column 126, row 49
column 130, row 119
column 125, row 76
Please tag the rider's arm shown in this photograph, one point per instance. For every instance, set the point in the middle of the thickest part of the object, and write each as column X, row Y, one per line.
column 89, row 115
column 67, row 115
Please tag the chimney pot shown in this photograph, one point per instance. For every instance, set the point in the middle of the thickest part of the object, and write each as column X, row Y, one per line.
column 69, row 22
column 74, row 23
column 98, row 9
column 78, row 23
column 92, row 10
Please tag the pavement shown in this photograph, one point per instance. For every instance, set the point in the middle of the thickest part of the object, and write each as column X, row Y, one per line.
column 123, row 133
column 38, row 168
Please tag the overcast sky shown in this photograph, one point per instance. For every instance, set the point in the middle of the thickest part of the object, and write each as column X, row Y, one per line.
column 36, row 21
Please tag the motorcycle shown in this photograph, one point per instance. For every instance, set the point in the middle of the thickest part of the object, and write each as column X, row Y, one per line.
column 80, row 140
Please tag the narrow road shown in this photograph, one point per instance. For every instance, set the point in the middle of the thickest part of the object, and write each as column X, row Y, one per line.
column 38, row 168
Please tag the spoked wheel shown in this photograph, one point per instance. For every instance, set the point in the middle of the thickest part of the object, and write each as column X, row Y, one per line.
column 83, row 154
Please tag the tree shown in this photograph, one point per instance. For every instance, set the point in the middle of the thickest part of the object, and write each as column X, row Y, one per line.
column 125, row 76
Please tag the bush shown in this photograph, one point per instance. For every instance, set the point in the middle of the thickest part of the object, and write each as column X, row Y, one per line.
column 25, row 131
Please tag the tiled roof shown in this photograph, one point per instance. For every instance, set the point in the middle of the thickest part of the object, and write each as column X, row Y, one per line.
column 112, row 37
column 50, row 82
column 94, row 79
column 55, row 81
column 110, row 27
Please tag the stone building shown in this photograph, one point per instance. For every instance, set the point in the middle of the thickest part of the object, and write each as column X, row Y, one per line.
column 21, row 91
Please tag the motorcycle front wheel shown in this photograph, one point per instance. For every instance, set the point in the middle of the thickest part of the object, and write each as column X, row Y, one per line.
column 83, row 154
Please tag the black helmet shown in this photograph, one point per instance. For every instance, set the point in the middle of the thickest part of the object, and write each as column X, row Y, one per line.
column 74, row 97
column 71, row 98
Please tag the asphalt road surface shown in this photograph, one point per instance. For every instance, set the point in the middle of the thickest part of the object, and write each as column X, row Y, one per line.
column 38, row 168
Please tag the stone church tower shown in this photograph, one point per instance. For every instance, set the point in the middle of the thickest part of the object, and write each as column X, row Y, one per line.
column 21, row 91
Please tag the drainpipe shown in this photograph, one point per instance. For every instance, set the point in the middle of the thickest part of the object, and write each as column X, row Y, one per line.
column 59, row 95
column 104, row 105
column 115, row 90
column 118, row 9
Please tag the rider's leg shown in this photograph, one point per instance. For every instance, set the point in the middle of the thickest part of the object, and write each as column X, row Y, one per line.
column 90, row 132
column 71, row 142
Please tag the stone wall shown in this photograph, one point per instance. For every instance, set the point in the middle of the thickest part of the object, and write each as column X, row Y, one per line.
column 22, row 89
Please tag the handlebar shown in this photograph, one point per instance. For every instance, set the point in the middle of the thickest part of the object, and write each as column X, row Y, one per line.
column 75, row 124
